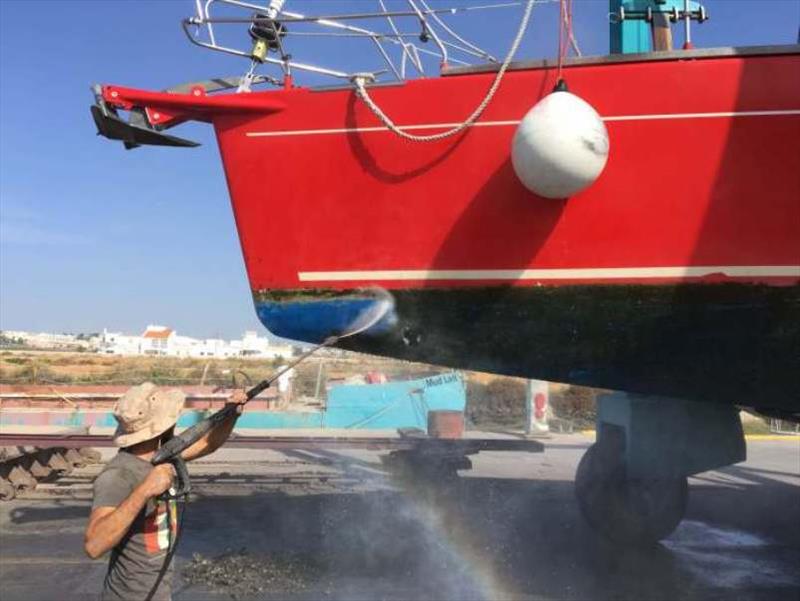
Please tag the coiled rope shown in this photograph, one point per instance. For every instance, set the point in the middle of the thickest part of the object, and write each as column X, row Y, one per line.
column 360, row 81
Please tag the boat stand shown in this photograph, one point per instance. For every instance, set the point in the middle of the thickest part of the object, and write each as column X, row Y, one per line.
column 632, row 483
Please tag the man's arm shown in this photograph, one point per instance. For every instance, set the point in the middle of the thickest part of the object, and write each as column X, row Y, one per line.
column 217, row 437
column 108, row 525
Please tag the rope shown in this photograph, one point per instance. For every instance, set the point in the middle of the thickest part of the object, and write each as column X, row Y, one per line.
column 562, row 21
column 566, row 36
column 572, row 40
column 360, row 82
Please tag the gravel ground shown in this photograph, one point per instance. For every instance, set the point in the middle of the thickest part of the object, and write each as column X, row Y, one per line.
column 241, row 574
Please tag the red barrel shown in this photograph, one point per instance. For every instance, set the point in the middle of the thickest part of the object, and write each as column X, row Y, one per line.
column 446, row 424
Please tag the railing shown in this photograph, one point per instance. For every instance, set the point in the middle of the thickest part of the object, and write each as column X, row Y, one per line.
column 414, row 36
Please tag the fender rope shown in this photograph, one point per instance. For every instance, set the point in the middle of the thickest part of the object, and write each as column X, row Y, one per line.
column 360, row 80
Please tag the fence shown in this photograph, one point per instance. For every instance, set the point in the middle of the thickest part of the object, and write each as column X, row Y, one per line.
column 781, row 426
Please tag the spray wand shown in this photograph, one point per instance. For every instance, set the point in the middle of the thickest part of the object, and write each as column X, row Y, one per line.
column 381, row 303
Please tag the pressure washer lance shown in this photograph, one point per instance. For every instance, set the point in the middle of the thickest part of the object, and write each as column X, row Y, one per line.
column 382, row 305
column 170, row 451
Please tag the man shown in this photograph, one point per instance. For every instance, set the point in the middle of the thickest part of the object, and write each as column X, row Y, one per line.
column 127, row 515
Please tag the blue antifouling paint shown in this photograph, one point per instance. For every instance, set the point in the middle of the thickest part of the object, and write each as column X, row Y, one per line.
column 315, row 320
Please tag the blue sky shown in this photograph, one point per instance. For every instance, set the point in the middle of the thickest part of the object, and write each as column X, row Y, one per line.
column 92, row 236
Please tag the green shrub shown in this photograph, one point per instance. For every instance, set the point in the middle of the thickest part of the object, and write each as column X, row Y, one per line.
column 576, row 404
column 501, row 402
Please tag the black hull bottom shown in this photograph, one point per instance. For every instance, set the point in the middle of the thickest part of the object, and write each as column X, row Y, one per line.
column 730, row 343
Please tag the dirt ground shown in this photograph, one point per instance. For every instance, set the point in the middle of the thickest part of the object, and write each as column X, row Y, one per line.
column 334, row 525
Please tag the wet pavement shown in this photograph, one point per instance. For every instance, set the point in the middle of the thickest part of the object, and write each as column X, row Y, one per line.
column 333, row 525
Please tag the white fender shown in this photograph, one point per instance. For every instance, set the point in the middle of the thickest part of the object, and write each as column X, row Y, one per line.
column 560, row 147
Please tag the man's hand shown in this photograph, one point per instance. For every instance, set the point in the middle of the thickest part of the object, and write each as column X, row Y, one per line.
column 238, row 398
column 158, row 480
column 220, row 433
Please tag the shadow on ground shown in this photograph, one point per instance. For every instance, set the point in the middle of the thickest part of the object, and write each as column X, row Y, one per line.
column 33, row 514
column 355, row 533
column 483, row 538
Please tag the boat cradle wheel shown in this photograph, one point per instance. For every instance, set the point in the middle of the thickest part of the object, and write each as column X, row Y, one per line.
column 636, row 512
column 7, row 491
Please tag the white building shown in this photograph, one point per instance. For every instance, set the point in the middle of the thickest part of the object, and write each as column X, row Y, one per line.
column 214, row 347
column 163, row 341
column 46, row 340
column 116, row 343
column 159, row 340
column 253, row 345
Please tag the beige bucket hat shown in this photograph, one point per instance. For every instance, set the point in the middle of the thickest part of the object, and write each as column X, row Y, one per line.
column 146, row 411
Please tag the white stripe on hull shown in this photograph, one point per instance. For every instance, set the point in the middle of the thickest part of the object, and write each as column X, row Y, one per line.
column 620, row 273
column 656, row 117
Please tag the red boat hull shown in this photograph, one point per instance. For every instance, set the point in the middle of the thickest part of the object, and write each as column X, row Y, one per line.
column 704, row 171
column 676, row 273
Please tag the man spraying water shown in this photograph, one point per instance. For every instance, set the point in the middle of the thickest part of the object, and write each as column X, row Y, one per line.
column 128, row 517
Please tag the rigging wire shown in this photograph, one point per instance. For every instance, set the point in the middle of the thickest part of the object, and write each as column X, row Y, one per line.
column 360, row 80
column 448, row 29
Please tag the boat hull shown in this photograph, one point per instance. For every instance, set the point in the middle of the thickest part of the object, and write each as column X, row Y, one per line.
column 677, row 273
column 722, row 342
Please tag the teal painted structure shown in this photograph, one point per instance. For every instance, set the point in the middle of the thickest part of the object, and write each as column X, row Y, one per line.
column 394, row 404
column 629, row 36
column 389, row 406
column 633, row 35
